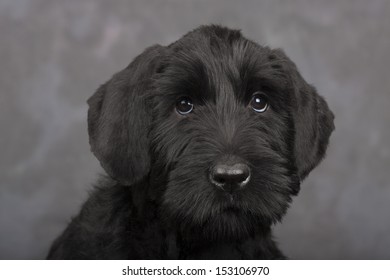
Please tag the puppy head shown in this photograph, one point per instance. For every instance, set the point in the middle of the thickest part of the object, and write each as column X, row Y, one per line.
column 232, row 125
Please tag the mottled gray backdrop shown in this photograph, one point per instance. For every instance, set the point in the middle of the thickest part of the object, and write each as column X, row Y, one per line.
column 54, row 54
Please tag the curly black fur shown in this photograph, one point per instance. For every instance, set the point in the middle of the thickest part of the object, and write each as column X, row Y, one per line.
column 158, row 202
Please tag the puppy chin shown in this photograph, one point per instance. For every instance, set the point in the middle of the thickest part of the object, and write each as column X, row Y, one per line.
column 230, row 224
column 215, row 215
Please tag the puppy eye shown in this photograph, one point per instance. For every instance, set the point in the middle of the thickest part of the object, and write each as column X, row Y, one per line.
column 184, row 105
column 259, row 102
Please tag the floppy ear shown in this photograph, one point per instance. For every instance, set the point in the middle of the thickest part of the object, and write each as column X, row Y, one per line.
column 118, row 120
column 313, row 126
column 313, row 121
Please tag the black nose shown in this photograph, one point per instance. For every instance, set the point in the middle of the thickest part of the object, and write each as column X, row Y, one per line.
column 230, row 177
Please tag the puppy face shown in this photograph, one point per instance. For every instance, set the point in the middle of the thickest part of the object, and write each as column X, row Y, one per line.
column 230, row 125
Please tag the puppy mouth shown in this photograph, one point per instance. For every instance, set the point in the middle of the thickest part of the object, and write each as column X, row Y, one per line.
column 232, row 210
column 231, row 202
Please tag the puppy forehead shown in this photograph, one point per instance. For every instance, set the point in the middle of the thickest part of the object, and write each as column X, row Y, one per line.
column 219, row 63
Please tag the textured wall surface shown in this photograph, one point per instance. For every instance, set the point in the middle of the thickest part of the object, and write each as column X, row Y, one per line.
column 54, row 54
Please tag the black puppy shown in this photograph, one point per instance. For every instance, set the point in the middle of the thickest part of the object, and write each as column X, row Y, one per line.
column 205, row 141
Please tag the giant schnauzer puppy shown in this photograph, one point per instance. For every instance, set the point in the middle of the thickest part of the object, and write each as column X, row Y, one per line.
column 204, row 141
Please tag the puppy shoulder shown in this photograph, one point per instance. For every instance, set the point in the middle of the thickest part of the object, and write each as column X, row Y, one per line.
column 100, row 229
column 107, row 201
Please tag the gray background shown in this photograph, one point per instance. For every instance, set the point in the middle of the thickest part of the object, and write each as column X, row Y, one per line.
column 54, row 54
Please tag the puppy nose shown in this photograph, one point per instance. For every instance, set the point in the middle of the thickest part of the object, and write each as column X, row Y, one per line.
column 230, row 177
